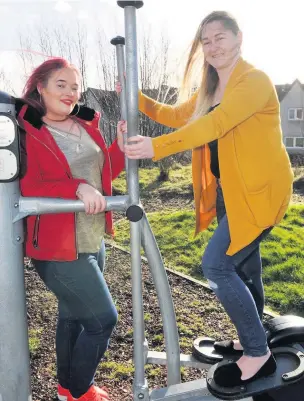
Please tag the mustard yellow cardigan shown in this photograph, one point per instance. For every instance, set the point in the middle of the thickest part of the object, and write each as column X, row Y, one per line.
column 256, row 174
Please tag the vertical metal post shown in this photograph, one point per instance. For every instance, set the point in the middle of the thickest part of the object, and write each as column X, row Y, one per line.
column 14, row 352
column 119, row 43
column 140, row 386
column 132, row 93
column 154, row 259
column 149, row 242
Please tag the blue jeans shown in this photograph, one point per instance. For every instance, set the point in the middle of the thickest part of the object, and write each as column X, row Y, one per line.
column 86, row 319
column 226, row 274
column 250, row 269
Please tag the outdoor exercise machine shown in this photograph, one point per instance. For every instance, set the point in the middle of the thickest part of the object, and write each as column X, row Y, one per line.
column 285, row 336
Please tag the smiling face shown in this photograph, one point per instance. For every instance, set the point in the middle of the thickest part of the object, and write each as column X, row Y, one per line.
column 61, row 93
column 220, row 45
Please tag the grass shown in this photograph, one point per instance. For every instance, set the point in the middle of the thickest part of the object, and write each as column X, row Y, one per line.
column 184, row 253
column 116, row 371
column 180, row 180
column 298, row 172
column 34, row 340
column 282, row 252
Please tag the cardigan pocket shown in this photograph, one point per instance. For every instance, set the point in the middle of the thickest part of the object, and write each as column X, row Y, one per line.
column 259, row 203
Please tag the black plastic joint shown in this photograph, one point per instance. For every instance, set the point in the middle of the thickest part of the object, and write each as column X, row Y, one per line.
column 119, row 40
column 136, row 4
column 134, row 213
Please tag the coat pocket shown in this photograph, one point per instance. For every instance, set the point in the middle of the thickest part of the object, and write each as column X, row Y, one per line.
column 259, row 203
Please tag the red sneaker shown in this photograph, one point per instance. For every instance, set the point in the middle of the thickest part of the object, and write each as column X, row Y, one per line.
column 63, row 394
column 94, row 394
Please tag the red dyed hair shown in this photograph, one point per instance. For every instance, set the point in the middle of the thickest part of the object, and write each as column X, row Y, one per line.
column 40, row 76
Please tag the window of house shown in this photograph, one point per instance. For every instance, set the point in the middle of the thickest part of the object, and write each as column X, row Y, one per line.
column 296, row 142
column 299, row 142
column 289, row 142
column 296, row 114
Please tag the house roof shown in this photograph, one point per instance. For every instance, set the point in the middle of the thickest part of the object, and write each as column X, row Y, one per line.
column 282, row 90
column 101, row 94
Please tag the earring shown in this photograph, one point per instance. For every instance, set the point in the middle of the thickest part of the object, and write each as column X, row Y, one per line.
column 40, row 98
column 74, row 112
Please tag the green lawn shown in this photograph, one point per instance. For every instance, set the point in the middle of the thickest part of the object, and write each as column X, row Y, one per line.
column 282, row 252
column 179, row 182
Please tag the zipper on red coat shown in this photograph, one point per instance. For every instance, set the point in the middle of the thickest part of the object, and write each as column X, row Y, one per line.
column 36, row 231
column 75, row 218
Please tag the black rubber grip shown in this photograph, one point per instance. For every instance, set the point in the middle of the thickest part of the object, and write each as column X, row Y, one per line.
column 136, row 4
column 119, row 40
column 134, row 213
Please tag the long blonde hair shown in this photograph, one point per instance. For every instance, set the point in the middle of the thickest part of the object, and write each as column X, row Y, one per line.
column 197, row 65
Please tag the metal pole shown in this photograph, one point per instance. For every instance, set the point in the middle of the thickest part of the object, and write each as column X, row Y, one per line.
column 14, row 351
column 33, row 206
column 140, row 386
column 165, row 302
column 154, row 257
column 119, row 43
column 132, row 93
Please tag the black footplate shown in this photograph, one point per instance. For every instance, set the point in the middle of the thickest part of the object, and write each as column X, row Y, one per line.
column 290, row 369
column 203, row 351
column 280, row 331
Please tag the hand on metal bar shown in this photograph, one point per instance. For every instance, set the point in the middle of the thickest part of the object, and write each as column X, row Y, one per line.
column 139, row 147
column 121, row 134
column 118, row 85
column 94, row 201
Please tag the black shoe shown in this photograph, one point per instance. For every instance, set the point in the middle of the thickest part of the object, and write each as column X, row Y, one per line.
column 226, row 347
column 230, row 375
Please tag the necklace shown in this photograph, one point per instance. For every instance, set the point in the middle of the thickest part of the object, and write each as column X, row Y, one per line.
column 57, row 121
column 79, row 146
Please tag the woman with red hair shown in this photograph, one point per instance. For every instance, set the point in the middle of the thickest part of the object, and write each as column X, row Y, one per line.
column 67, row 158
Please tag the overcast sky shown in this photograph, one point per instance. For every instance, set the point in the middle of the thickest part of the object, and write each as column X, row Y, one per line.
column 273, row 30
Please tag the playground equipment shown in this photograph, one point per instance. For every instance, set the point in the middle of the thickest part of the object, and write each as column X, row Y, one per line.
column 14, row 353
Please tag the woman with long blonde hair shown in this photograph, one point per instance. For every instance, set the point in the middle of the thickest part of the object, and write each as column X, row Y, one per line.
column 241, row 174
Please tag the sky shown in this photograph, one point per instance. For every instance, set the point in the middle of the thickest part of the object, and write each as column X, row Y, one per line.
column 273, row 31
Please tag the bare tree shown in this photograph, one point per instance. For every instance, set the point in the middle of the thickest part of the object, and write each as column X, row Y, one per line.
column 26, row 55
column 154, row 74
column 45, row 42
column 105, row 97
column 6, row 84
column 80, row 44
column 63, row 42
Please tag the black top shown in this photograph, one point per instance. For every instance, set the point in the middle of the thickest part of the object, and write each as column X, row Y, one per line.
column 214, row 163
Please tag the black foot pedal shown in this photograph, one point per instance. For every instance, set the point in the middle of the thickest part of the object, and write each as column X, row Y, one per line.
column 290, row 369
column 203, row 350
column 280, row 331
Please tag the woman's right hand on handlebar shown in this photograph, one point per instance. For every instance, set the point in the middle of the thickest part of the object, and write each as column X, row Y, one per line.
column 118, row 87
column 94, row 201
